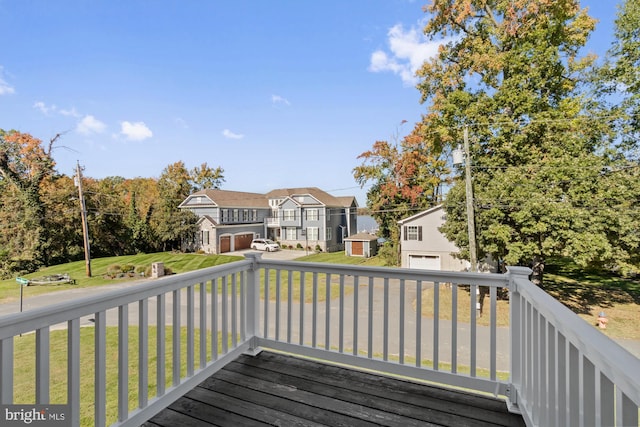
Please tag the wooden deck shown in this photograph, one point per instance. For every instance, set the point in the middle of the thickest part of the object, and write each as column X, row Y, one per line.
column 274, row 389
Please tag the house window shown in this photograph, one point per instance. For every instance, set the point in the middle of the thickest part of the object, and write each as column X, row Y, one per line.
column 312, row 214
column 289, row 215
column 204, row 237
column 413, row 232
column 236, row 215
column 254, row 215
column 245, row 215
column 328, row 233
column 312, row 233
column 328, row 214
column 225, row 215
column 290, row 233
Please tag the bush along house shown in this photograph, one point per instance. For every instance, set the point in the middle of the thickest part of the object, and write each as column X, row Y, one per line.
column 302, row 218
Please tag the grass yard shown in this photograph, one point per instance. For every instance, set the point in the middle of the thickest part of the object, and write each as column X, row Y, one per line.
column 178, row 263
column 24, row 371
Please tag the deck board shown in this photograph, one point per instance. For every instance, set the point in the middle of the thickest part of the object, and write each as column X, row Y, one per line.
column 275, row 389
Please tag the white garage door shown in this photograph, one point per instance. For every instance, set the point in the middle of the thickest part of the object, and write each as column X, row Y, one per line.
column 427, row 262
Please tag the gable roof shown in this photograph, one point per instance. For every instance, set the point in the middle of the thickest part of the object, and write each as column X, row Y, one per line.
column 322, row 196
column 421, row 214
column 348, row 201
column 225, row 198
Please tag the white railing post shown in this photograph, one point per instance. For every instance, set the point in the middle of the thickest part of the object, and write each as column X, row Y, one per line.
column 515, row 335
column 253, row 300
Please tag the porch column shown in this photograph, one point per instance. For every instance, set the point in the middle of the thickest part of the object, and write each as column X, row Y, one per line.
column 253, row 300
column 515, row 333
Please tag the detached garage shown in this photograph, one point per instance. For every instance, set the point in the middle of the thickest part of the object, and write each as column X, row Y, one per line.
column 362, row 244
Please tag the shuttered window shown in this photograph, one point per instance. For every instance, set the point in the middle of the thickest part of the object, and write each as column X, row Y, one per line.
column 413, row 232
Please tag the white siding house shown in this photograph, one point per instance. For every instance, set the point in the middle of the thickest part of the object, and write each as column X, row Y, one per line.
column 422, row 245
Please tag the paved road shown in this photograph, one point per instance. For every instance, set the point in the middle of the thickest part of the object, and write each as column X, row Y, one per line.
column 394, row 336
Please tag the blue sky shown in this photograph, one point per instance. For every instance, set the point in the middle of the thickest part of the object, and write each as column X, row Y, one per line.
column 278, row 93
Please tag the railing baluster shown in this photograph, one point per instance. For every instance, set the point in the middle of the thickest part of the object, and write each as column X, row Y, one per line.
column 454, row 328
column 473, row 297
column 436, row 325
column 607, row 399
column 215, row 336
column 574, row 386
column 327, row 312
column 356, row 311
column 224, row 311
column 535, row 365
column 370, row 320
column 267, row 274
column 234, row 310
column 562, row 375
column 6, row 371
column 161, row 337
column 418, row 323
column 302, row 304
column 543, row 386
column 143, row 352
column 289, row 305
column 42, row 366
column 243, row 304
column 402, row 322
column 493, row 329
column 314, row 319
column 341, row 317
column 100, row 369
column 176, row 338
column 190, row 332
column 385, row 322
column 589, row 392
column 73, row 371
column 278, row 304
column 552, row 391
column 203, row 324
column 628, row 414
column 123, row 362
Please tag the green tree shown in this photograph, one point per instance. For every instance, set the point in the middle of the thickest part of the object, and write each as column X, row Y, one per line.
column 204, row 177
column 173, row 227
column 619, row 76
column 511, row 71
column 24, row 165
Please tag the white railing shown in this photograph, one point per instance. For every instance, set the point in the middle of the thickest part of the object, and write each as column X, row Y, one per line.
column 186, row 327
column 273, row 221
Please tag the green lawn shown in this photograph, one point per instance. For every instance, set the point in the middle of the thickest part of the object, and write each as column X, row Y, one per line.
column 178, row 263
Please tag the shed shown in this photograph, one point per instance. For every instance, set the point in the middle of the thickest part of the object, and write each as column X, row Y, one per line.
column 362, row 244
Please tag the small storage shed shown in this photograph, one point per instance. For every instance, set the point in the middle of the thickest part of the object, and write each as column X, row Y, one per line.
column 362, row 244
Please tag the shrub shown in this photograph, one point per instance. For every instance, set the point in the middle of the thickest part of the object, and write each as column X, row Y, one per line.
column 299, row 246
column 318, row 248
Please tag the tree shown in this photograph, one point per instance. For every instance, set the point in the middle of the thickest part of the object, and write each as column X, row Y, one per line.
column 619, row 76
column 171, row 225
column 511, row 72
column 406, row 178
column 24, row 165
column 204, row 177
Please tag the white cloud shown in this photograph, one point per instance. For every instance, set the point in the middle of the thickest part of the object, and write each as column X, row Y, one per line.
column 408, row 51
column 5, row 88
column 277, row 99
column 44, row 108
column 89, row 125
column 182, row 122
column 71, row 113
column 228, row 134
column 137, row 131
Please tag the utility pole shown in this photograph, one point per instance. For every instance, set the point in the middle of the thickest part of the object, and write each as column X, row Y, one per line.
column 471, row 224
column 83, row 214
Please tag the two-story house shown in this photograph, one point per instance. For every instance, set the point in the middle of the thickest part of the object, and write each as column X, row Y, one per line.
column 296, row 217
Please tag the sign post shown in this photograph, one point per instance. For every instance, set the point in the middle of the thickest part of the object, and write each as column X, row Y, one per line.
column 22, row 282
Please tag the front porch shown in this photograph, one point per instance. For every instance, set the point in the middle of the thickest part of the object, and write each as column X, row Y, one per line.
column 174, row 333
